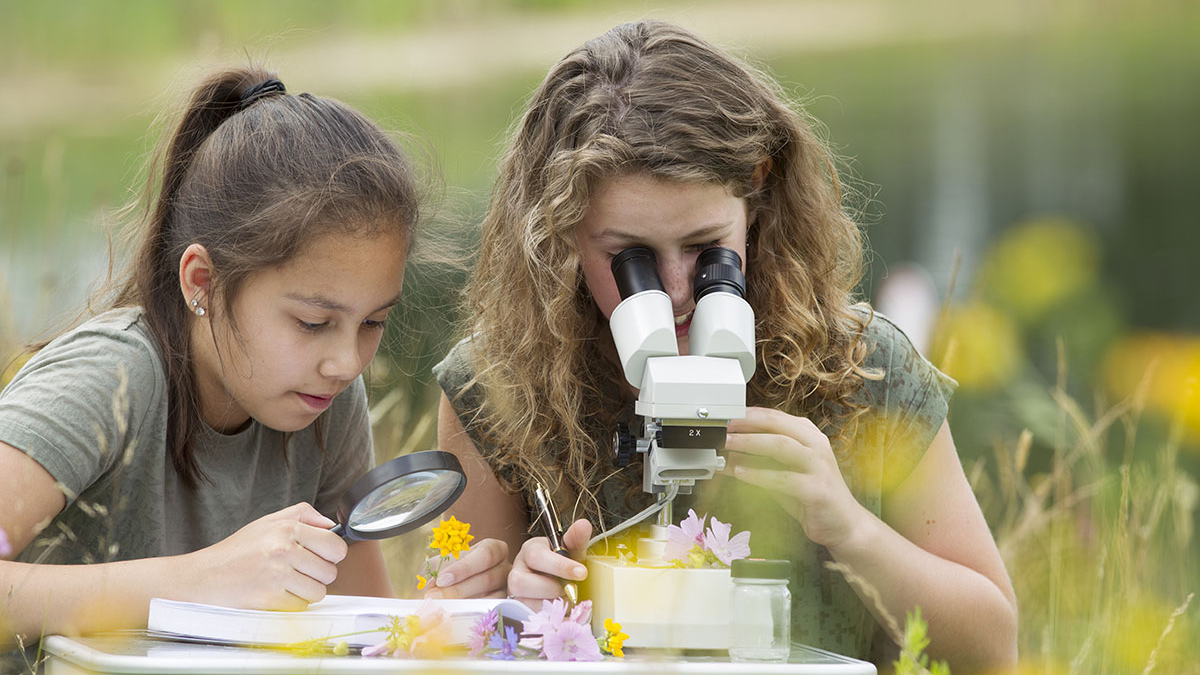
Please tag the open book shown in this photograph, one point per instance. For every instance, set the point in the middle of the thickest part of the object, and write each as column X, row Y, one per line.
column 335, row 615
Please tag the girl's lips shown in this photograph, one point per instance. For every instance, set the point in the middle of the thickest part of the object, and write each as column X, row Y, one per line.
column 316, row 402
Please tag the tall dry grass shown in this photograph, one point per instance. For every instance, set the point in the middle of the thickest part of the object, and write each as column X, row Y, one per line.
column 1089, row 486
column 1100, row 544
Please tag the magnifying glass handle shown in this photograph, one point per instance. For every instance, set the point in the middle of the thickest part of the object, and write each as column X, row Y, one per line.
column 338, row 529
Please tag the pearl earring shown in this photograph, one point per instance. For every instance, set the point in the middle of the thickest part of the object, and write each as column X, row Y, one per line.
column 197, row 308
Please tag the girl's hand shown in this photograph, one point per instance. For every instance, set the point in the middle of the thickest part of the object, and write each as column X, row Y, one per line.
column 537, row 572
column 481, row 572
column 283, row 560
column 790, row 457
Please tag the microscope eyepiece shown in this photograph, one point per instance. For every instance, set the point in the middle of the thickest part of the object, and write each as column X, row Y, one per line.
column 718, row 270
column 636, row 270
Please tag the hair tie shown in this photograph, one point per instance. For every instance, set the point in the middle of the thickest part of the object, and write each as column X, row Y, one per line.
column 264, row 88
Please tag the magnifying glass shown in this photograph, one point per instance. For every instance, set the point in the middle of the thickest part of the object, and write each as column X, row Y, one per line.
column 399, row 495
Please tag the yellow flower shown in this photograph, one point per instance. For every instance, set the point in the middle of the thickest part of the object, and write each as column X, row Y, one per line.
column 980, row 346
column 451, row 537
column 615, row 639
column 1038, row 265
column 421, row 581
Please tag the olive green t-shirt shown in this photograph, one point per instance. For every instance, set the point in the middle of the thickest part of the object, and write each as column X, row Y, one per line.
column 91, row 408
column 906, row 409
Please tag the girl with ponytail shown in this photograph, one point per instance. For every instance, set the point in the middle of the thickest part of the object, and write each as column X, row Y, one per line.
column 191, row 441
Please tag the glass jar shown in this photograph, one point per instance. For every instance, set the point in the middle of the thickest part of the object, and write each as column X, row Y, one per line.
column 760, row 616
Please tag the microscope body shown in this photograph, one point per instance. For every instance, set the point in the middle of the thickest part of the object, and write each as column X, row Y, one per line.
column 683, row 407
column 684, row 402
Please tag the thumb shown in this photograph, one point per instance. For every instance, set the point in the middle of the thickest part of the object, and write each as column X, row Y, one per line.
column 309, row 515
column 576, row 537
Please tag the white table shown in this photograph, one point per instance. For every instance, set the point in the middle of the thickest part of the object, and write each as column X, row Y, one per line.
column 135, row 653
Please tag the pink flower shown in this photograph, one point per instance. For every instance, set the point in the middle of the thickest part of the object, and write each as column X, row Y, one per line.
column 423, row 634
column 582, row 613
column 717, row 540
column 571, row 642
column 681, row 538
column 377, row 650
column 5, row 547
column 550, row 618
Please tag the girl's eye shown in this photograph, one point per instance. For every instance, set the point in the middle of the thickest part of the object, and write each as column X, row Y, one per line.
column 704, row 247
column 371, row 324
column 310, row 327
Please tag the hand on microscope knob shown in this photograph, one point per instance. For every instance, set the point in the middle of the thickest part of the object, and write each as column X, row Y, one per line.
column 538, row 572
column 793, row 459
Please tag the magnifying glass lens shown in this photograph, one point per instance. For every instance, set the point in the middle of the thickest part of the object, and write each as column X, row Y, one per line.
column 403, row 501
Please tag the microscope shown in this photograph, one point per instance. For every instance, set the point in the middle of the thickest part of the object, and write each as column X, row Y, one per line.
column 684, row 402
column 683, row 407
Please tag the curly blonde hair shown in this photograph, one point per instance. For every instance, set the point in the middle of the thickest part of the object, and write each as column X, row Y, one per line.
column 652, row 98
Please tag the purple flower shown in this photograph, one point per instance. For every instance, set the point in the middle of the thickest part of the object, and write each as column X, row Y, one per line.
column 681, row 538
column 505, row 646
column 571, row 642
column 717, row 540
column 5, row 547
column 483, row 629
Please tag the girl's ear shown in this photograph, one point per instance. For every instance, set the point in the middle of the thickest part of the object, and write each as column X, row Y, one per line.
column 761, row 170
column 195, row 276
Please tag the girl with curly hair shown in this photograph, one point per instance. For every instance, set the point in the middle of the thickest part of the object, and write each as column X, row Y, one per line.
column 649, row 136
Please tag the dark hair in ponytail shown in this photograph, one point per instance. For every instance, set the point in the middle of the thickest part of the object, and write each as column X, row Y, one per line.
column 253, row 175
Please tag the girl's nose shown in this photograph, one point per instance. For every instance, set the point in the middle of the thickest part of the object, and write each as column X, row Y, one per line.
column 342, row 362
column 677, row 282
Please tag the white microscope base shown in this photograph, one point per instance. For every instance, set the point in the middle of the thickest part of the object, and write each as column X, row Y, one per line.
column 666, row 607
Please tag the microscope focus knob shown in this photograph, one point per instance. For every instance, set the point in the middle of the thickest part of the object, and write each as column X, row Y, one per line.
column 624, row 446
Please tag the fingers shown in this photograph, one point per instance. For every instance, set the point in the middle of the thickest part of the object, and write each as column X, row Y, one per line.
column 576, row 537
column 484, row 584
column 772, row 439
column 786, row 483
column 483, row 556
column 767, row 451
column 310, row 550
column 305, row 588
column 313, row 566
column 320, row 541
column 305, row 513
column 537, row 557
column 287, row 602
column 532, row 588
column 482, row 572
column 769, row 421
column 537, row 570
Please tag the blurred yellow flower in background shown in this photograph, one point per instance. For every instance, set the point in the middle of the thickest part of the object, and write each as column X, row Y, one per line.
column 1168, row 366
column 1134, row 639
column 981, row 346
column 1037, row 264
